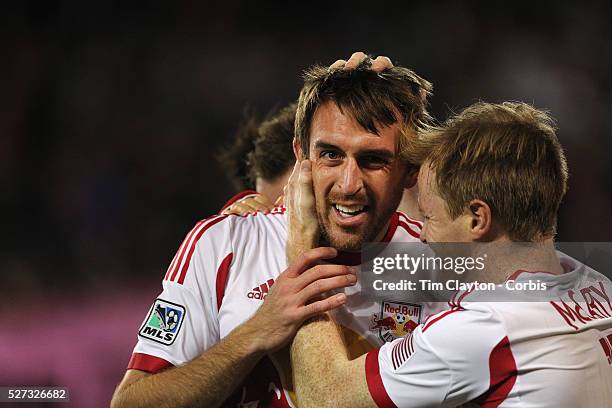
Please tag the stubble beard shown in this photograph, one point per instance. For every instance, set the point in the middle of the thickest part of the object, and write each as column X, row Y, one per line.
column 355, row 240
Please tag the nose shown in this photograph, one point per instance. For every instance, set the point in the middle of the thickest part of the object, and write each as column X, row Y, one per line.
column 352, row 178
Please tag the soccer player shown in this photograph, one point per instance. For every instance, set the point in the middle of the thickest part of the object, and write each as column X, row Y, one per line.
column 259, row 161
column 494, row 174
column 193, row 347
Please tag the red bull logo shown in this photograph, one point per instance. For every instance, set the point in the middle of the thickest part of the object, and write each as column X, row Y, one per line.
column 395, row 320
column 406, row 310
column 387, row 323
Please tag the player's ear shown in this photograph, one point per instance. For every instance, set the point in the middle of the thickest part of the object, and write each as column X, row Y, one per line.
column 481, row 220
column 297, row 150
column 412, row 174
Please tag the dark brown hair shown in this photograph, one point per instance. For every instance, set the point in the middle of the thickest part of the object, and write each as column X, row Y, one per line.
column 273, row 153
column 373, row 99
column 260, row 149
column 233, row 159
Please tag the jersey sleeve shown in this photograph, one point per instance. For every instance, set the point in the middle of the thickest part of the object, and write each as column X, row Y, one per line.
column 182, row 323
column 446, row 362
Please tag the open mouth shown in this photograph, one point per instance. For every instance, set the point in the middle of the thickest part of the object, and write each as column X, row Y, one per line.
column 350, row 216
column 347, row 211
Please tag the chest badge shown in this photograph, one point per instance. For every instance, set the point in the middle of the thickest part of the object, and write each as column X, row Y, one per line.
column 395, row 320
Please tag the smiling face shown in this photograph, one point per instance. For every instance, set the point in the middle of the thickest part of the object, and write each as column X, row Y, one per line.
column 358, row 178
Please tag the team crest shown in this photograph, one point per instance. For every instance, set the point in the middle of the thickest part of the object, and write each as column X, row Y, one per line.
column 396, row 319
column 163, row 322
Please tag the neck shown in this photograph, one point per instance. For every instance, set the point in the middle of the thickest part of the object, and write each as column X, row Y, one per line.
column 381, row 235
column 505, row 257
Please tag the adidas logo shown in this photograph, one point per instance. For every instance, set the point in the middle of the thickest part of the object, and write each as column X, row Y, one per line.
column 260, row 292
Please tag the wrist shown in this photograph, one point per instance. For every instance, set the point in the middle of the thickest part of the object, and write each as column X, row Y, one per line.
column 310, row 229
column 301, row 241
column 310, row 238
column 305, row 238
column 252, row 336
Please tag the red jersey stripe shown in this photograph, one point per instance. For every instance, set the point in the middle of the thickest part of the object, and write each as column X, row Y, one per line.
column 502, row 368
column 403, row 353
column 441, row 316
column 176, row 266
column 409, row 230
column 411, row 345
column 452, row 302
column 392, row 227
column 197, row 237
column 178, row 252
column 222, row 274
column 375, row 384
column 182, row 250
column 145, row 362
column 172, row 263
column 463, row 296
column 411, row 221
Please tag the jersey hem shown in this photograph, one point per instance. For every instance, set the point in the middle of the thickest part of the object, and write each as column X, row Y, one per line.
column 148, row 363
column 375, row 383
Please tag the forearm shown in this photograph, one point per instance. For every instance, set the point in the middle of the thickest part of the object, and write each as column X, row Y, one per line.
column 322, row 372
column 205, row 381
column 301, row 241
column 303, row 232
column 316, row 349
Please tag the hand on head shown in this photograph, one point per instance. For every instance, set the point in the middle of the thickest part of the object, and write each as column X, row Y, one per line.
column 249, row 204
column 378, row 64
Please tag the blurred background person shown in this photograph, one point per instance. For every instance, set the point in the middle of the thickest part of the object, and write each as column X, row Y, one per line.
column 259, row 160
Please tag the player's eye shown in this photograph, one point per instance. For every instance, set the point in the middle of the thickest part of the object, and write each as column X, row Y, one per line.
column 329, row 155
column 373, row 162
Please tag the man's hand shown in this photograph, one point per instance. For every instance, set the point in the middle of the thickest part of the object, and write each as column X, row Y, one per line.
column 377, row 64
column 295, row 297
column 249, row 204
column 303, row 229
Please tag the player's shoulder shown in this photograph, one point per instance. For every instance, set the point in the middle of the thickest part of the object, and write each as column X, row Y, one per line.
column 216, row 225
column 406, row 225
column 468, row 328
column 214, row 229
column 229, row 226
column 273, row 221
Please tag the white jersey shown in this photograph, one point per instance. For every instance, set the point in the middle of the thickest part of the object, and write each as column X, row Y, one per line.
column 219, row 278
column 552, row 352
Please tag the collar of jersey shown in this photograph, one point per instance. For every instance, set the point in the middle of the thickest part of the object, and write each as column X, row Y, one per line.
column 567, row 265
